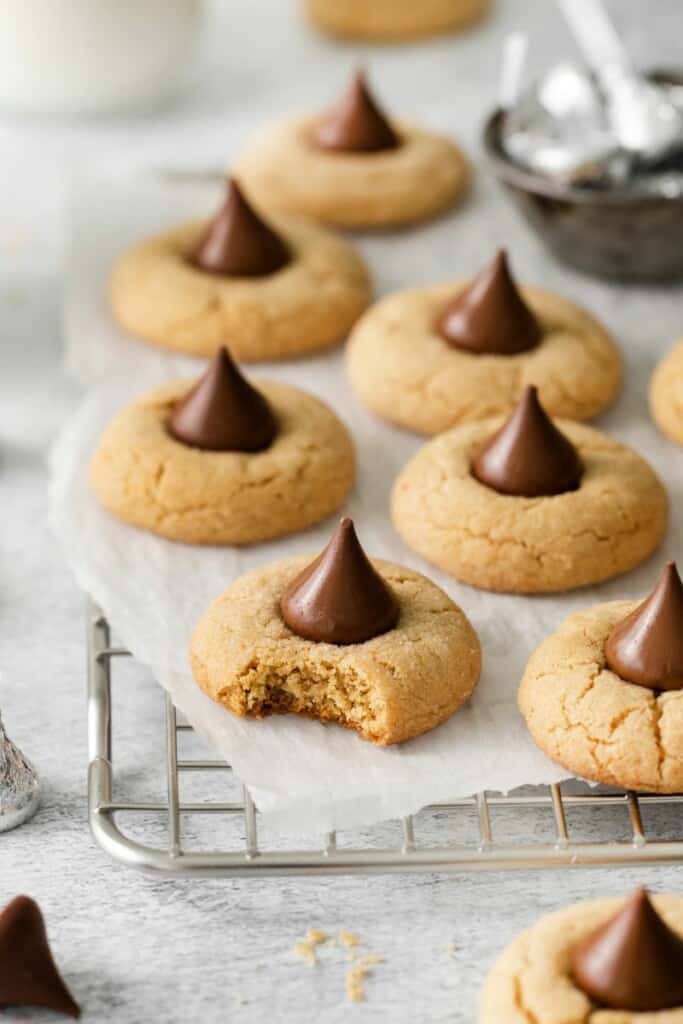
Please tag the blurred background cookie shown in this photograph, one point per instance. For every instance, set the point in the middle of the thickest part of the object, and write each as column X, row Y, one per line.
column 353, row 166
column 394, row 20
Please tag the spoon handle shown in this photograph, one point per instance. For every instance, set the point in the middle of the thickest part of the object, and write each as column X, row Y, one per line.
column 596, row 36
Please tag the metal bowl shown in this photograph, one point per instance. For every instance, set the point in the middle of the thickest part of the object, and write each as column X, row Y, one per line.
column 614, row 234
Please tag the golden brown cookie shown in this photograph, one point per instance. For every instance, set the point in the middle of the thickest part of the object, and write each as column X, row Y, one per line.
column 666, row 394
column 393, row 20
column 402, row 368
column 391, row 688
column 284, row 169
column 310, row 304
column 144, row 476
column 615, row 519
column 531, row 980
column 593, row 722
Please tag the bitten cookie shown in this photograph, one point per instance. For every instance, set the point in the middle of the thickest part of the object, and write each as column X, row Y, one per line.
column 186, row 465
column 526, row 507
column 609, row 707
column 353, row 167
column 270, row 292
column 419, row 362
column 666, row 394
column 606, row 961
column 393, row 20
column 367, row 645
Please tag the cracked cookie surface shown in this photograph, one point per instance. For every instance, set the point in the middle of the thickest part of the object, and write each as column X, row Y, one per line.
column 403, row 370
column 394, row 19
column 311, row 304
column 145, row 477
column 666, row 394
column 530, row 983
column 592, row 722
column 389, row 689
column 613, row 521
column 283, row 169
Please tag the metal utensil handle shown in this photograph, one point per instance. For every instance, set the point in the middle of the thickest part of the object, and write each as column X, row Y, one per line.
column 512, row 68
column 596, row 36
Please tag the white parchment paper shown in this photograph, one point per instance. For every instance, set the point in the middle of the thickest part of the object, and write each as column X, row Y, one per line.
column 301, row 774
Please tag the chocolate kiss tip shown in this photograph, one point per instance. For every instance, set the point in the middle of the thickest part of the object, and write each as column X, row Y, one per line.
column 529, row 457
column 223, row 412
column 490, row 316
column 632, row 962
column 28, row 974
column 238, row 242
column 340, row 598
column 646, row 647
column 356, row 124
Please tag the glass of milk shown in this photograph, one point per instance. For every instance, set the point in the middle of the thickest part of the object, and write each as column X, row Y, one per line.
column 93, row 56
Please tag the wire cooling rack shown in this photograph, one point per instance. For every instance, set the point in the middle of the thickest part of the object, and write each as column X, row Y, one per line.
column 538, row 827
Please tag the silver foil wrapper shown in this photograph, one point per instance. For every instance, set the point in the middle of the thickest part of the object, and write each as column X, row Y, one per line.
column 561, row 128
column 19, row 785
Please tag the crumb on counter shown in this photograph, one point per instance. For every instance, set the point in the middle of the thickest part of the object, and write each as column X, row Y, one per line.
column 306, row 950
column 348, row 938
column 355, row 990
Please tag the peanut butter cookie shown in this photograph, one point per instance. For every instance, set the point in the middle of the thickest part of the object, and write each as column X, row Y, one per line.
column 271, row 291
column 148, row 477
column 534, row 978
column 534, row 538
column 593, row 720
column 404, row 369
column 394, row 20
column 666, row 394
column 396, row 685
column 353, row 167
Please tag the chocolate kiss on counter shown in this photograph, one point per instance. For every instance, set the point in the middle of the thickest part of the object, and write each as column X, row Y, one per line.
column 647, row 646
column 237, row 242
column 528, row 456
column 490, row 316
column 633, row 962
column 340, row 598
column 223, row 412
column 356, row 124
column 28, row 974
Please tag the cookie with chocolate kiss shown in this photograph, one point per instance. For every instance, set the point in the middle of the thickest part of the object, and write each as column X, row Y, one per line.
column 530, row 506
column 603, row 960
column 353, row 166
column 529, row 457
column 28, row 973
column 632, row 962
column 490, row 316
column 356, row 124
column 238, row 242
column 368, row 645
column 646, row 647
column 340, row 598
column 223, row 412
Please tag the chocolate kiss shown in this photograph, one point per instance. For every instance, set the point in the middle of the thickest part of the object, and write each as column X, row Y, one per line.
column 340, row 598
column 528, row 456
column 238, row 242
column 633, row 962
column 647, row 646
column 356, row 124
column 490, row 316
column 223, row 412
column 28, row 974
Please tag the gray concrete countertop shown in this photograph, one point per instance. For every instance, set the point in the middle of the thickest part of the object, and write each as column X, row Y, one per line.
column 136, row 949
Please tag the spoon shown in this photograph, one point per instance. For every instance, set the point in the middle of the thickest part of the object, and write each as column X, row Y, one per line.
column 645, row 121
